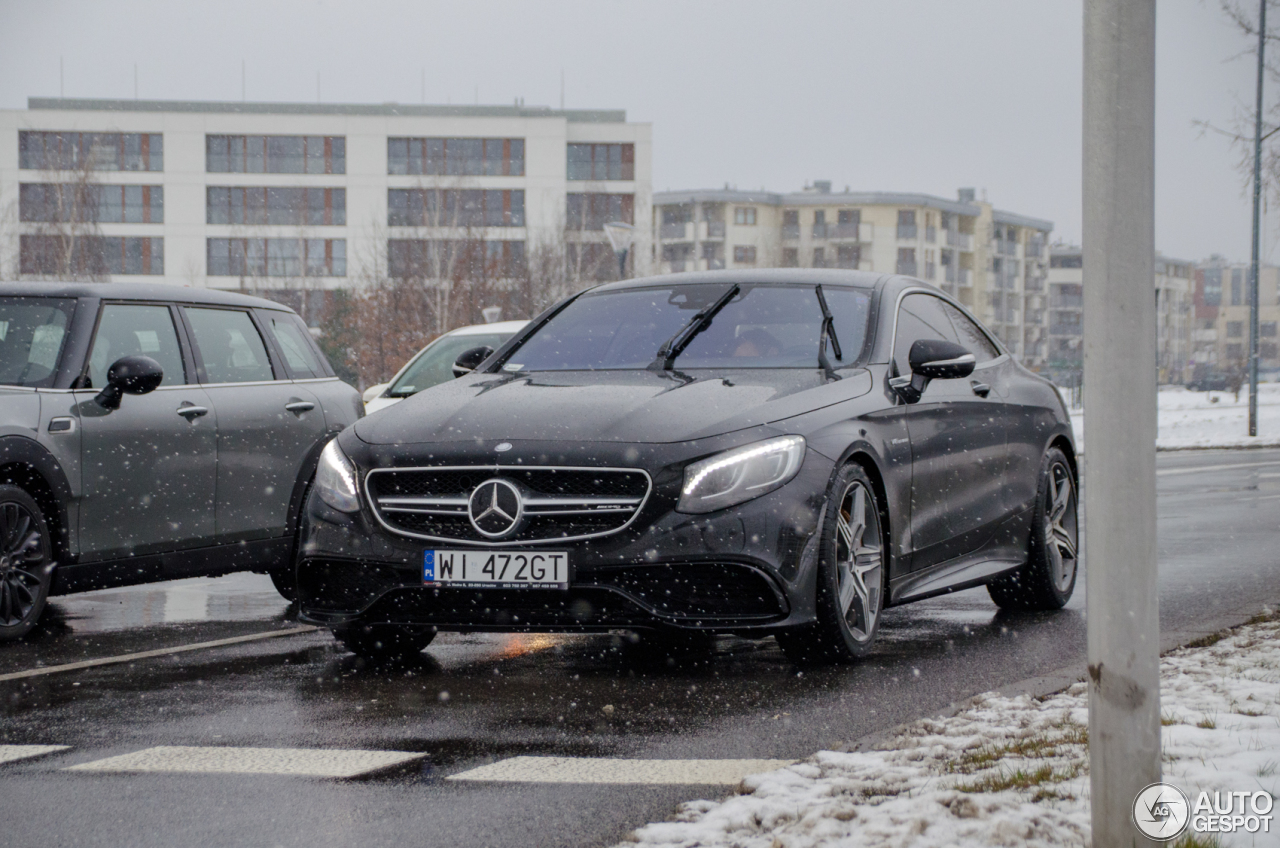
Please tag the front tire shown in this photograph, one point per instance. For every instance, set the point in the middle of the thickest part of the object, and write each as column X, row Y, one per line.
column 26, row 563
column 851, row 577
column 384, row 643
column 1049, row 577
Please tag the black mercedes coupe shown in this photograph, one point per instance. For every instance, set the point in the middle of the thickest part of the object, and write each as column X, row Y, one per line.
column 781, row 452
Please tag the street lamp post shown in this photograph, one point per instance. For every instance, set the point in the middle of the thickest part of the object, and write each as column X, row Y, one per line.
column 621, row 237
column 1257, row 202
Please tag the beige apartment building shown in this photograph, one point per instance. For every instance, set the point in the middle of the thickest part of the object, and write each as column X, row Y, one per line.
column 993, row 261
column 1220, row 332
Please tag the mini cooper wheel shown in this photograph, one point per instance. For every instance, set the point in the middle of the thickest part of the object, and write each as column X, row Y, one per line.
column 1049, row 577
column 851, row 577
column 383, row 643
column 26, row 563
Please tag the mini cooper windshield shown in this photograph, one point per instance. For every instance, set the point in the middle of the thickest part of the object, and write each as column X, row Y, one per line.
column 695, row 326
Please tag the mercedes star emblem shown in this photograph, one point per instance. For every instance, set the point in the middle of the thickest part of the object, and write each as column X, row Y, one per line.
column 495, row 508
column 503, row 447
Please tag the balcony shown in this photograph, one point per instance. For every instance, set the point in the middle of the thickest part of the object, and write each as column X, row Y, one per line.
column 1067, row 301
column 677, row 265
column 674, row 232
column 790, row 232
column 1034, row 283
column 819, row 231
column 907, row 231
column 1035, row 249
column 964, row 241
column 844, row 231
column 907, row 268
column 715, row 229
column 930, row 234
column 1065, row 329
column 964, row 277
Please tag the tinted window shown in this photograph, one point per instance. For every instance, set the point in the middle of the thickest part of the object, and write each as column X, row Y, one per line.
column 435, row 365
column 135, row 330
column 32, row 330
column 921, row 316
column 230, row 347
column 971, row 337
column 298, row 353
column 762, row 327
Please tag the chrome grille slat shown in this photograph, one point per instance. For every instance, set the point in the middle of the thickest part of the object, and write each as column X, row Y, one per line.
column 563, row 503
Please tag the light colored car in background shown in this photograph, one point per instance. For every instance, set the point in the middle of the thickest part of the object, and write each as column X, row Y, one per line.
column 434, row 363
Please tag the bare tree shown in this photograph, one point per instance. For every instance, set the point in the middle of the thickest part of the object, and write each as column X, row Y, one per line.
column 62, row 239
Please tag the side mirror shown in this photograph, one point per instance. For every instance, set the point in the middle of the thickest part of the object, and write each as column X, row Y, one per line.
column 932, row 359
column 134, row 375
column 469, row 360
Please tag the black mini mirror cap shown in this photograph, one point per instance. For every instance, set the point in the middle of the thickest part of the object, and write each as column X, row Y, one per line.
column 940, row 360
column 469, row 360
column 134, row 375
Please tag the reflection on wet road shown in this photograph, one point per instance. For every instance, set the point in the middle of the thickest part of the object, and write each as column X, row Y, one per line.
column 471, row 700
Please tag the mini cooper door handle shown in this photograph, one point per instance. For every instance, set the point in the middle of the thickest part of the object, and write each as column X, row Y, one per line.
column 300, row 406
column 980, row 389
column 189, row 412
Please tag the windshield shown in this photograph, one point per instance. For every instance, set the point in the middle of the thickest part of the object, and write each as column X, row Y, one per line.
column 435, row 364
column 761, row 327
column 32, row 330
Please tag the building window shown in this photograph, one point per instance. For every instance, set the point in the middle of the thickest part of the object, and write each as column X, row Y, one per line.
column 278, row 206
column 602, row 162
column 848, row 256
column 1237, row 286
column 680, row 252
column 417, row 207
column 90, row 255
column 277, row 257
column 1235, row 353
column 1074, row 260
column 275, row 154
column 819, row 257
column 906, row 224
column 907, row 261
column 744, row 216
column 849, row 217
column 744, row 254
column 459, row 157
column 455, row 259
column 593, row 211
column 69, row 151
column 96, row 203
column 1267, row 350
column 790, row 257
column 677, row 213
column 1235, row 329
column 1267, row 329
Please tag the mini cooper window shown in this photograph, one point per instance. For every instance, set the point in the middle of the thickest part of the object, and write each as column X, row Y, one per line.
column 32, row 330
column 759, row 327
column 230, row 347
column 302, row 360
column 135, row 330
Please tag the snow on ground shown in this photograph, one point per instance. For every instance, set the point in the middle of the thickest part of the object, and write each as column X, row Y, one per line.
column 1208, row 419
column 1009, row 770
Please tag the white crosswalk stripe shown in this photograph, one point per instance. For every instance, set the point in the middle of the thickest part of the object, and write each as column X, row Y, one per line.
column 302, row 762
column 10, row 753
column 601, row 770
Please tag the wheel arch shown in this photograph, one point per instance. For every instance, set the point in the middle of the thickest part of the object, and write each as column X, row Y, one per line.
column 864, row 459
column 1062, row 443
column 26, row 464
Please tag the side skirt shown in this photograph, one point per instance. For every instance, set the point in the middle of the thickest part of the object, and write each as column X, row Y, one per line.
column 259, row 554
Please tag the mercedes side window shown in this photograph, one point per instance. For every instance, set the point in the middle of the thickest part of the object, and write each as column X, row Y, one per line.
column 229, row 346
column 298, row 354
column 970, row 336
column 921, row 316
column 126, row 329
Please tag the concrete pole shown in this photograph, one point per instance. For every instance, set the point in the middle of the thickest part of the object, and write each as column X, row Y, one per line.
column 1120, row 396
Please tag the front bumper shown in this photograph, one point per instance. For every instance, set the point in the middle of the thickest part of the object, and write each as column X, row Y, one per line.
column 746, row 569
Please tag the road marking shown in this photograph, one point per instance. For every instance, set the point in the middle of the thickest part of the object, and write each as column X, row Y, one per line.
column 161, row 652
column 10, row 753
column 298, row 762
column 1163, row 472
column 600, row 770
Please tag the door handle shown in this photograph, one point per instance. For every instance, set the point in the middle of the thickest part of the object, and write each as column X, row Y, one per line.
column 300, row 406
column 980, row 389
column 189, row 412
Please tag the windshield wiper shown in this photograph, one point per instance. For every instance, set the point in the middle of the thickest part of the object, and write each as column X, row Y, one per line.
column 828, row 332
column 675, row 345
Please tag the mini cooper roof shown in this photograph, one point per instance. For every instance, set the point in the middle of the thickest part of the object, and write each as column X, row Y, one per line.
column 137, row 291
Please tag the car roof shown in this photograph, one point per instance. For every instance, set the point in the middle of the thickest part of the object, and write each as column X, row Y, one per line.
column 482, row 329
column 136, row 291
column 780, row 276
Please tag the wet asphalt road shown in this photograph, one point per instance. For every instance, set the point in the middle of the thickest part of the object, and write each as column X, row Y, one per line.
column 478, row 699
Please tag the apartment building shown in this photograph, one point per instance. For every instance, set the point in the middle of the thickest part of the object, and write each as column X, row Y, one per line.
column 1220, row 333
column 1172, row 282
column 993, row 261
column 314, row 196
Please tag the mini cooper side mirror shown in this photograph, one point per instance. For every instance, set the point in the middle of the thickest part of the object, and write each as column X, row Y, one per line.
column 134, row 375
column 470, row 359
column 932, row 359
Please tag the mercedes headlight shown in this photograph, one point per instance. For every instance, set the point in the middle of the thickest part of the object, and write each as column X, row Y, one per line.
column 336, row 479
column 740, row 474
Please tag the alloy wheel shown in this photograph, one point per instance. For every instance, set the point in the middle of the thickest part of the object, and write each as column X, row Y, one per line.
column 1060, row 528
column 859, row 561
column 21, row 563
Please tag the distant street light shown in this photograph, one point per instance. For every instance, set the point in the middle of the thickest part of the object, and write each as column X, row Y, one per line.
column 621, row 236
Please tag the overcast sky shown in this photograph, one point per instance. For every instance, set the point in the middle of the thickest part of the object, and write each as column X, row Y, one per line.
column 875, row 95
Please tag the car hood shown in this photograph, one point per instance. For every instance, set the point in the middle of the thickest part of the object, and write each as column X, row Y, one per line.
column 606, row 406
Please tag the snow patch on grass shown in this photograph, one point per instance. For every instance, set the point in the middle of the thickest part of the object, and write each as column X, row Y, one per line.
column 1208, row 419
